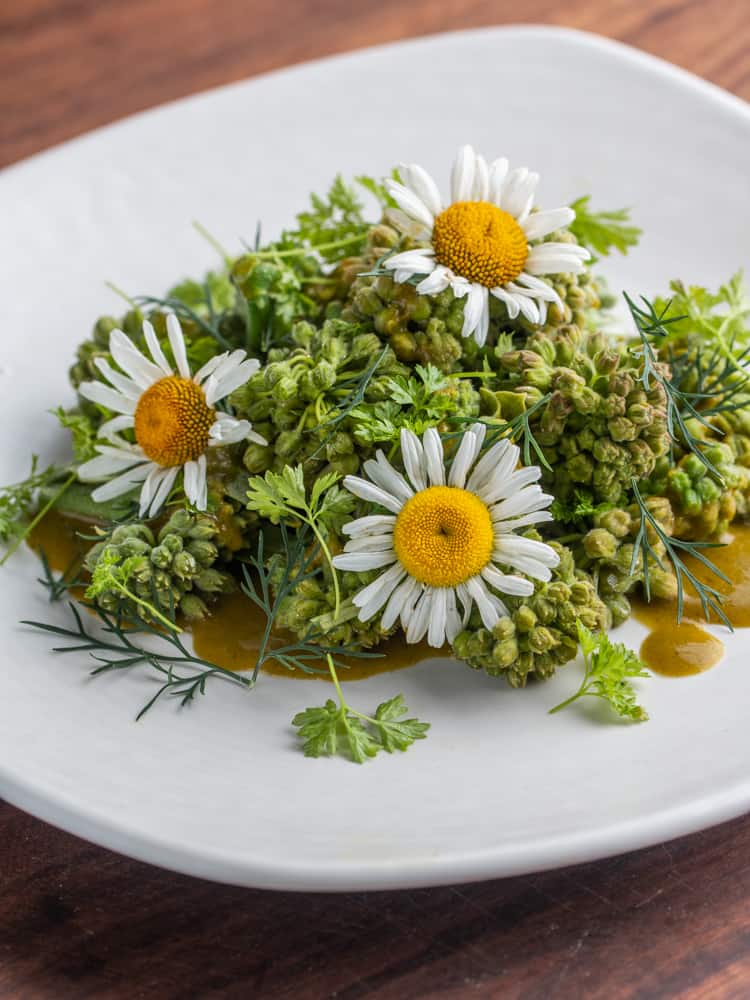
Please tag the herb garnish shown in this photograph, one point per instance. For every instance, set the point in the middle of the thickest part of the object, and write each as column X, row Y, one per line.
column 333, row 728
column 609, row 668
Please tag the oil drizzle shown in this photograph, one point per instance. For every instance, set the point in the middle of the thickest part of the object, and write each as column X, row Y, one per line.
column 681, row 650
column 230, row 637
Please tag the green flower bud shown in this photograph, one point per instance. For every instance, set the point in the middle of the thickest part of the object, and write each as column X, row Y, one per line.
column 204, row 552
column 192, row 607
column 184, row 566
column 599, row 544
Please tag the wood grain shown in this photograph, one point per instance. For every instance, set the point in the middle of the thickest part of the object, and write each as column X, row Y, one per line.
column 80, row 922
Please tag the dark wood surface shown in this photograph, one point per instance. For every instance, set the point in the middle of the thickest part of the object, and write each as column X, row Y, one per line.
column 78, row 921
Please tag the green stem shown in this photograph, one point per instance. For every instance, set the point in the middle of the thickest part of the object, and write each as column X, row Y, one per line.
column 329, row 559
column 148, row 607
column 45, row 509
column 305, row 251
column 580, row 693
column 211, row 239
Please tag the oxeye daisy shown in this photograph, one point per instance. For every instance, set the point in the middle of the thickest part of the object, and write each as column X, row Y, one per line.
column 484, row 242
column 172, row 416
column 448, row 537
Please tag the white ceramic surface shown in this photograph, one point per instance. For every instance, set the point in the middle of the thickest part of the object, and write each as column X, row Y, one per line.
column 499, row 787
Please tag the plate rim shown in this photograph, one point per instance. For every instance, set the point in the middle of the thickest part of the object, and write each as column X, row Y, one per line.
column 340, row 875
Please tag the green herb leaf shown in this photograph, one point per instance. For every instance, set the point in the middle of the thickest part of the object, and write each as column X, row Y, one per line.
column 395, row 732
column 609, row 669
column 603, row 232
column 333, row 728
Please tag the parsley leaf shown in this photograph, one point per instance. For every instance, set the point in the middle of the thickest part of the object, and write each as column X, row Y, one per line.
column 416, row 402
column 277, row 496
column 602, row 232
column 82, row 431
column 338, row 728
column 609, row 666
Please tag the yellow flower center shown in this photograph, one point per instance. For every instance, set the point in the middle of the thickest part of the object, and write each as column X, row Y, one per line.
column 480, row 242
column 443, row 536
column 172, row 421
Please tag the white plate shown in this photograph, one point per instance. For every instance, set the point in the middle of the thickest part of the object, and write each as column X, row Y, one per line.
column 499, row 787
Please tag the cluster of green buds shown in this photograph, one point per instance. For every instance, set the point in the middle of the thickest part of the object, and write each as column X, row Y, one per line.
column 704, row 502
column 541, row 632
column 599, row 426
column 173, row 570
column 607, row 552
column 427, row 329
column 310, row 611
column 294, row 400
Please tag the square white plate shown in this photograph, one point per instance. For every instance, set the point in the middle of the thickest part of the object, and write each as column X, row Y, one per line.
column 499, row 787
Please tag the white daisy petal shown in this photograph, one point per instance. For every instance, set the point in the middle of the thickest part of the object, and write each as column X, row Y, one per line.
column 106, row 465
column 435, row 282
column 372, row 524
column 210, row 367
column 481, row 179
column 491, row 608
column 509, row 301
column 227, row 430
column 133, row 363
column 529, row 499
column 111, row 399
column 202, row 483
column 452, row 617
column 190, row 481
column 543, row 223
column 409, row 202
column 497, row 462
column 177, row 343
column 497, row 173
column 370, row 543
column 434, row 457
column 556, row 258
column 466, row 454
column 217, row 388
column 423, row 186
column 121, row 382
column 438, row 617
column 400, row 601
column 115, row 425
column 531, row 547
column 360, row 562
column 475, row 308
column 517, row 586
column 415, row 463
column 371, row 598
column 121, row 484
column 150, row 486
column 163, row 490
column 419, row 617
column 382, row 473
column 368, row 491
column 416, row 261
column 462, row 174
column 154, row 347
column 535, row 517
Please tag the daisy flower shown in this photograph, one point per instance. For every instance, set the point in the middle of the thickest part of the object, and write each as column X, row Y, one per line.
column 484, row 241
column 446, row 535
column 173, row 418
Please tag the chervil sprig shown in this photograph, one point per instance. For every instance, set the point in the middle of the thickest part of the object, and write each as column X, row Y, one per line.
column 338, row 728
column 603, row 232
column 609, row 669
column 283, row 495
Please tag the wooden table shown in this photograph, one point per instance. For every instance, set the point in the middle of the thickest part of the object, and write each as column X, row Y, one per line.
column 78, row 921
